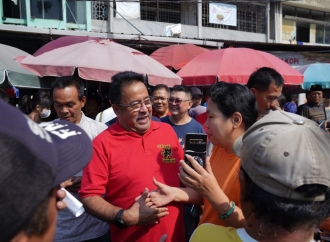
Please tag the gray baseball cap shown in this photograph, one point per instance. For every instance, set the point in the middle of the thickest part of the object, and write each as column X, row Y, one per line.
column 283, row 151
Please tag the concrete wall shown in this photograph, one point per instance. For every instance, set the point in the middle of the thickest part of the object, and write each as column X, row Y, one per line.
column 322, row 4
column 189, row 31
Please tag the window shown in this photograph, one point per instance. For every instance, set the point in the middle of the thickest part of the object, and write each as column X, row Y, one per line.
column 317, row 15
column 303, row 13
column 319, row 35
column 288, row 10
column 46, row 9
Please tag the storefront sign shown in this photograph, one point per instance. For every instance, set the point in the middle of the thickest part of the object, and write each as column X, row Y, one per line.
column 296, row 59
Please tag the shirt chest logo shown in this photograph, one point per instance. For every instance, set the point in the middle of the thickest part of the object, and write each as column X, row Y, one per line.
column 167, row 153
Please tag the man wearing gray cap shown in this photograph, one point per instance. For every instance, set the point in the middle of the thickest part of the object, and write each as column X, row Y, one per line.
column 285, row 183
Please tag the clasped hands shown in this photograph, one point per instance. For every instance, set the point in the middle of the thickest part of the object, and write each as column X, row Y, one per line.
column 199, row 179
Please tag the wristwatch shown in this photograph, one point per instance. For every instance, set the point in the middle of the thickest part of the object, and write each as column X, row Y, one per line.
column 118, row 221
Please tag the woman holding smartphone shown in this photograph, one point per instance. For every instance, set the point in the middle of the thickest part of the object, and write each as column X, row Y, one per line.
column 231, row 110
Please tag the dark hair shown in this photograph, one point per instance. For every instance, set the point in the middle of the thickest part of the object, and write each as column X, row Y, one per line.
column 282, row 213
column 95, row 97
column 68, row 81
column 263, row 77
column 4, row 96
column 39, row 223
column 181, row 88
column 161, row 86
column 121, row 80
column 281, row 101
column 29, row 102
column 231, row 98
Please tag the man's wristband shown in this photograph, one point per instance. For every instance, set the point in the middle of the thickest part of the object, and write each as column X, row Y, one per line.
column 229, row 212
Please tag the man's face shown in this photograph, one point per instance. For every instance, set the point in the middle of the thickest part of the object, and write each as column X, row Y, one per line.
column 129, row 118
column 197, row 100
column 160, row 104
column 179, row 103
column 267, row 100
column 315, row 97
column 67, row 104
column 92, row 108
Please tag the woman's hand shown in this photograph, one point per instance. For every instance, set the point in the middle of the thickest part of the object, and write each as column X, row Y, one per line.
column 162, row 196
column 201, row 180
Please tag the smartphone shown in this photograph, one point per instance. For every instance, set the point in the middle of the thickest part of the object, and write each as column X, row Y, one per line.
column 195, row 145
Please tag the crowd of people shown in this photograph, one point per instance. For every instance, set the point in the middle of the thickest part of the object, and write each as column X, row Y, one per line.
column 266, row 175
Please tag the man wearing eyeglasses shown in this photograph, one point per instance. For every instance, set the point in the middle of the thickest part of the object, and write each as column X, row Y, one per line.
column 160, row 95
column 180, row 102
column 126, row 158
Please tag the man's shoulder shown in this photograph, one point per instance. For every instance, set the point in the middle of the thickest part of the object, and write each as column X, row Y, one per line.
column 92, row 127
column 96, row 123
column 195, row 124
column 165, row 119
column 212, row 232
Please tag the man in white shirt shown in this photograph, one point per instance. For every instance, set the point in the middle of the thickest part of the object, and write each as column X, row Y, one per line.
column 69, row 99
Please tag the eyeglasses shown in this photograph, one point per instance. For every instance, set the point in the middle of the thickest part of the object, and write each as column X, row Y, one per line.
column 136, row 106
column 176, row 100
column 155, row 98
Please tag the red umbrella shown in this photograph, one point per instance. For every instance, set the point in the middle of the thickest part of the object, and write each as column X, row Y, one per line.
column 177, row 56
column 234, row 65
column 61, row 42
column 98, row 60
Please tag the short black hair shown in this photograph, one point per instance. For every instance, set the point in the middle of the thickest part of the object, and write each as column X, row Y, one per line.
column 121, row 80
column 68, row 81
column 29, row 102
column 278, row 213
column 181, row 88
column 160, row 87
column 263, row 77
column 231, row 98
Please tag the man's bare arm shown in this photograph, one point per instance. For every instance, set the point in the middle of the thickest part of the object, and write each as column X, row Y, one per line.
column 138, row 214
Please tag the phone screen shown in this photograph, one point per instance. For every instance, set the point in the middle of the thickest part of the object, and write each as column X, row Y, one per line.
column 195, row 145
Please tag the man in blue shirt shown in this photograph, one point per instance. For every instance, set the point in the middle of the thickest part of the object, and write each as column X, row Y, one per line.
column 180, row 102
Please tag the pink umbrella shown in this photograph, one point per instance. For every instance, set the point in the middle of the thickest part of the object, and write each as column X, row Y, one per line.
column 234, row 65
column 61, row 42
column 177, row 56
column 98, row 60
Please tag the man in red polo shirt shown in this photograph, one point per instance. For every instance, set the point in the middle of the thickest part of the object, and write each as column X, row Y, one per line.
column 126, row 158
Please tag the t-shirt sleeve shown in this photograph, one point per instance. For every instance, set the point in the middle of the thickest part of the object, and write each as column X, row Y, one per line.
column 95, row 174
column 303, row 111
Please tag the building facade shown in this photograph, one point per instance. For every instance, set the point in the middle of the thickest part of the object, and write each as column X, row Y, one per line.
column 274, row 22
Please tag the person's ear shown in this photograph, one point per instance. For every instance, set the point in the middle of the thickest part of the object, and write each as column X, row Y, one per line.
column 237, row 119
column 39, row 109
column 83, row 101
column 253, row 90
column 116, row 109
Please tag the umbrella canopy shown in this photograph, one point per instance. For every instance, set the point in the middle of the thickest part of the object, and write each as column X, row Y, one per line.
column 61, row 42
column 177, row 56
column 98, row 60
column 318, row 73
column 11, row 74
column 234, row 65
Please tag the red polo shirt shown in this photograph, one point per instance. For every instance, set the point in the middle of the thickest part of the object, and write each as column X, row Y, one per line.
column 123, row 165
